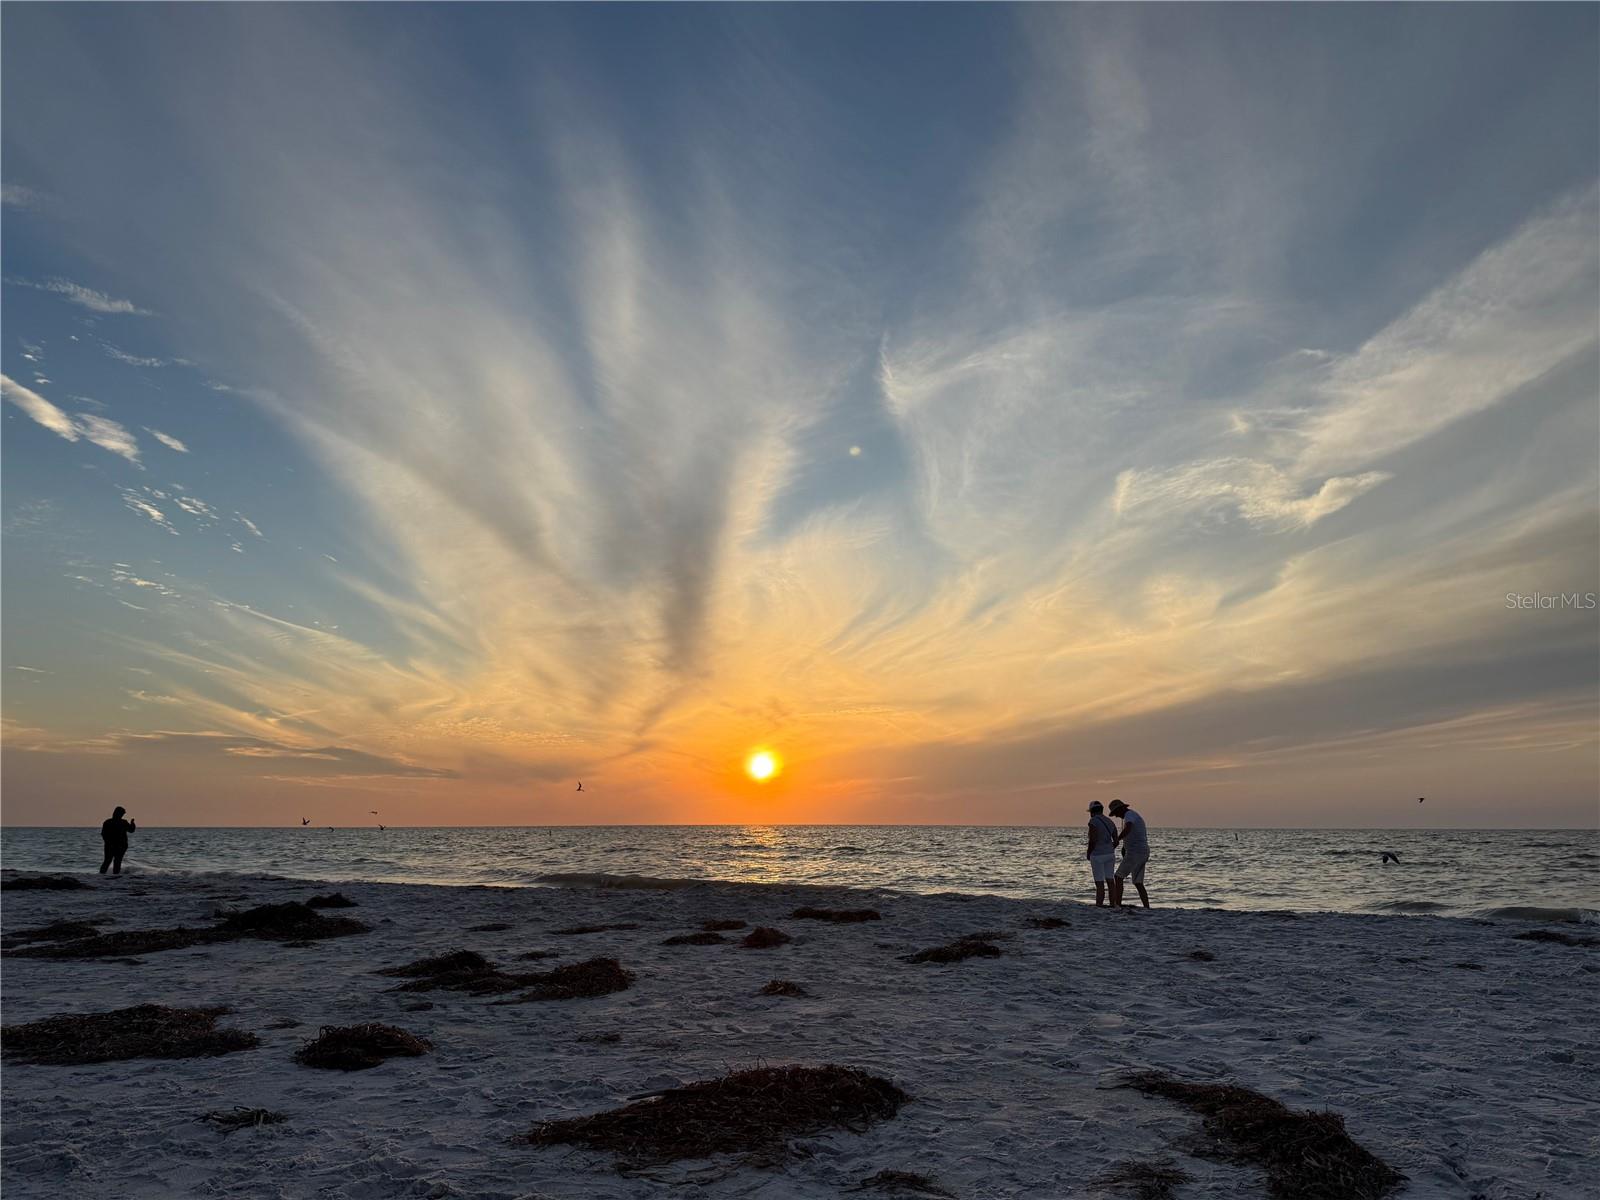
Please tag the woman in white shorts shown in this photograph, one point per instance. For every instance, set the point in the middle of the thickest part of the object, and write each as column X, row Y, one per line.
column 1102, row 851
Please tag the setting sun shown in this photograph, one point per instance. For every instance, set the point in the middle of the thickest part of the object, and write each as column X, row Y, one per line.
column 762, row 765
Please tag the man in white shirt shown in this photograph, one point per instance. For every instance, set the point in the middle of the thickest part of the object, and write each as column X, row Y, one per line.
column 1135, row 843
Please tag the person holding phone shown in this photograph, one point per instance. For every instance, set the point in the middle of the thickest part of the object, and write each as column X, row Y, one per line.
column 114, row 833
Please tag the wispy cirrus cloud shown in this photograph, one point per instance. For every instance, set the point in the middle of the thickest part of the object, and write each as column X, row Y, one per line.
column 134, row 360
column 197, row 508
column 222, row 749
column 1260, row 493
column 831, row 609
column 91, row 427
column 1520, row 307
column 40, row 410
column 109, row 435
column 167, row 440
column 136, row 502
column 648, row 460
column 83, row 297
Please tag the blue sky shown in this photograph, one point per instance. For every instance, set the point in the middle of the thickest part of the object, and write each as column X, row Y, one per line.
column 986, row 408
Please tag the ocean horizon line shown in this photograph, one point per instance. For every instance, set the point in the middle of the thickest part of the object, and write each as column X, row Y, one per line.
column 882, row 825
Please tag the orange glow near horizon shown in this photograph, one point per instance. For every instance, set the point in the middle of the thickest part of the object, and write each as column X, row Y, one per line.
column 762, row 765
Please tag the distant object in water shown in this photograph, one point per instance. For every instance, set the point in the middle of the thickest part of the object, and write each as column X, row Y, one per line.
column 1390, row 856
column 382, row 826
column 305, row 820
column 580, row 785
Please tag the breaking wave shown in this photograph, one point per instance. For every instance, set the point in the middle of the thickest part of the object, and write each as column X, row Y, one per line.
column 1534, row 912
column 1410, row 906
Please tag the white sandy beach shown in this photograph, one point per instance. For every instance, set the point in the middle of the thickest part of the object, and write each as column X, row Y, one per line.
column 1475, row 1081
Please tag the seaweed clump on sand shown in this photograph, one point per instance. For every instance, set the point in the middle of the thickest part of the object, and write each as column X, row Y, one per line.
column 56, row 931
column 973, row 945
column 491, row 927
column 763, row 937
column 838, row 916
column 51, row 883
column 1202, row 955
column 1048, row 923
column 595, row 977
column 359, row 1047
column 722, row 926
column 752, row 1112
column 460, row 971
column 783, row 987
column 123, row 943
column 291, row 920
column 1145, row 1181
column 331, row 900
column 901, row 1182
column 144, row 1031
column 704, row 938
column 1306, row 1155
column 440, row 964
column 1556, row 936
column 239, row 1117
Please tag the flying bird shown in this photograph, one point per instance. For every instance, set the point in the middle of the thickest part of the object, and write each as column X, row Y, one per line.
column 305, row 820
column 373, row 811
column 1389, row 856
column 580, row 785
column 1420, row 799
column 383, row 827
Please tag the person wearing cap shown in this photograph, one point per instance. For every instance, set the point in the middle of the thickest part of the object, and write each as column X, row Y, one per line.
column 1102, row 851
column 1135, row 843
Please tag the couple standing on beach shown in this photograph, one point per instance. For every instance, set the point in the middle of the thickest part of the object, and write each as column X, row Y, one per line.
column 1104, row 838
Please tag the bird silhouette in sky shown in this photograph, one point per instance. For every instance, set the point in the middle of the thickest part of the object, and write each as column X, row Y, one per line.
column 381, row 826
column 373, row 811
column 580, row 785
column 1388, row 857
column 305, row 820
column 1420, row 799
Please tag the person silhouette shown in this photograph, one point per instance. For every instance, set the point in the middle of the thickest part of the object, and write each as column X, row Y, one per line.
column 114, row 833
column 1102, row 852
column 1135, row 843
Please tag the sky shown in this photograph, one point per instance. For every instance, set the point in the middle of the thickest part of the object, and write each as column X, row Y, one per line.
column 983, row 409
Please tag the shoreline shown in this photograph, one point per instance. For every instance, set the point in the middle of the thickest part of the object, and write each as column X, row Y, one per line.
column 1419, row 1031
column 1530, row 914
column 1475, row 874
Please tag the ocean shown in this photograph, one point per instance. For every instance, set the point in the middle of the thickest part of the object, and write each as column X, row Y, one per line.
column 1506, row 874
